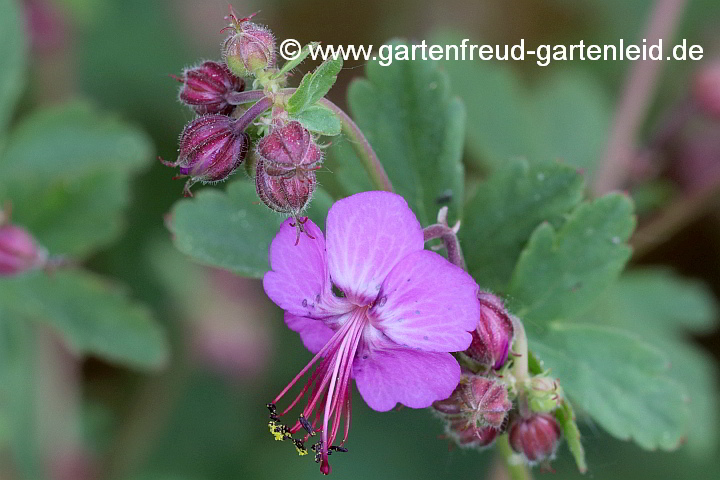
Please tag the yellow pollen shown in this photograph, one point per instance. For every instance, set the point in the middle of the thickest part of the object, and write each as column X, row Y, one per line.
column 301, row 450
column 277, row 431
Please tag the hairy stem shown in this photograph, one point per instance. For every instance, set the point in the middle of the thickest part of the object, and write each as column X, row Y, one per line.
column 450, row 240
column 517, row 469
column 635, row 100
column 238, row 98
column 252, row 113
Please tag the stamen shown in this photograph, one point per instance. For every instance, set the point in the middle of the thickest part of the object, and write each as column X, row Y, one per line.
column 329, row 386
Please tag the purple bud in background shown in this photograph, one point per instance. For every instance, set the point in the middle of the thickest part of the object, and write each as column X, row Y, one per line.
column 285, row 173
column 19, row 252
column 706, row 89
column 536, row 437
column 211, row 149
column 493, row 336
column 206, row 87
column 249, row 48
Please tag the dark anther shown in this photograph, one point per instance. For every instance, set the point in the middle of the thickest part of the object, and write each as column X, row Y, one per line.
column 337, row 448
column 306, row 425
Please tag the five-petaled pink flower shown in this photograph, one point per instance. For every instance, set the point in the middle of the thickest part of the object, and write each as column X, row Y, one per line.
column 402, row 309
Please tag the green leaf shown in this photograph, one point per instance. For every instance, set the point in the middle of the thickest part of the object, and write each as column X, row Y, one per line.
column 12, row 59
column 620, row 381
column 231, row 230
column 94, row 317
column 566, row 418
column 560, row 272
column 506, row 210
column 314, row 86
column 662, row 307
column 417, row 128
column 66, row 171
column 320, row 120
column 566, row 117
column 289, row 65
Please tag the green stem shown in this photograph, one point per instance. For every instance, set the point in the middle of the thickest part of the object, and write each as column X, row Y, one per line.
column 517, row 469
column 520, row 368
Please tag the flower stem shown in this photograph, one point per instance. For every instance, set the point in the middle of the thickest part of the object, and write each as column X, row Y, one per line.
column 520, row 369
column 237, row 98
column 449, row 237
column 635, row 100
column 252, row 113
column 362, row 147
column 517, row 469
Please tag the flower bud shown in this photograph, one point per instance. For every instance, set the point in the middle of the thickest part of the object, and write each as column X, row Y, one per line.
column 206, row 87
column 475, row 411
column 468, row 435
column 706, row 89
column 249, row 48
column 211, row 149
column 286, row 163
column 19, row 252
column 544, row 394
column 492, row 338
column 536, row 437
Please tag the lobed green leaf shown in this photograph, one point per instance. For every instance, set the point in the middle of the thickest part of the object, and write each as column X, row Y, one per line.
column 505, row 211
column 417, row 128
column 562, row 271
column 231, row 229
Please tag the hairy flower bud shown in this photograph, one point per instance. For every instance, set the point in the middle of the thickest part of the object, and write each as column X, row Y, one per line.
column 468, row 435
column 536, row 437
column 19, row 252
column 544, row 394
column 493, row 336
column 286, row 163
column 211, row 149
column 706, row 89
column 475, row 411
column 206, row 87
column 249, row 48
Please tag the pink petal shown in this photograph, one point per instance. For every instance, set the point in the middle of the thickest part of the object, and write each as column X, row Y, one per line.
column 400, row 375
column 313, row 333
column 428, row 303
column 367, row 235
column 299, row 281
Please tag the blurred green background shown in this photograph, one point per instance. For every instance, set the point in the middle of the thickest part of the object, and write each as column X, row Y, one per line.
column 204, row 416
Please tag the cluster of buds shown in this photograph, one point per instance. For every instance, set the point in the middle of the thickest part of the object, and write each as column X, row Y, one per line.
column 285, row 171
column 19, row 252
column 490, row 400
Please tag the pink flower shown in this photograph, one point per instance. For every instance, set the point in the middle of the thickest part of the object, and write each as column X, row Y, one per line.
column 401, row 311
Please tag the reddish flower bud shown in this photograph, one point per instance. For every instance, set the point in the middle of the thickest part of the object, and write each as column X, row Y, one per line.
column 536, row 437
column 285, row 175
column 706, row 89
column 468, row 435
column 18, row 251
column 212, row 147
column 493, row 336
column 206, row 87
column 479, row 400
column 249, row 48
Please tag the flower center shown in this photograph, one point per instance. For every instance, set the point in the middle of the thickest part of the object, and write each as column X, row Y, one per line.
column 329, row 398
